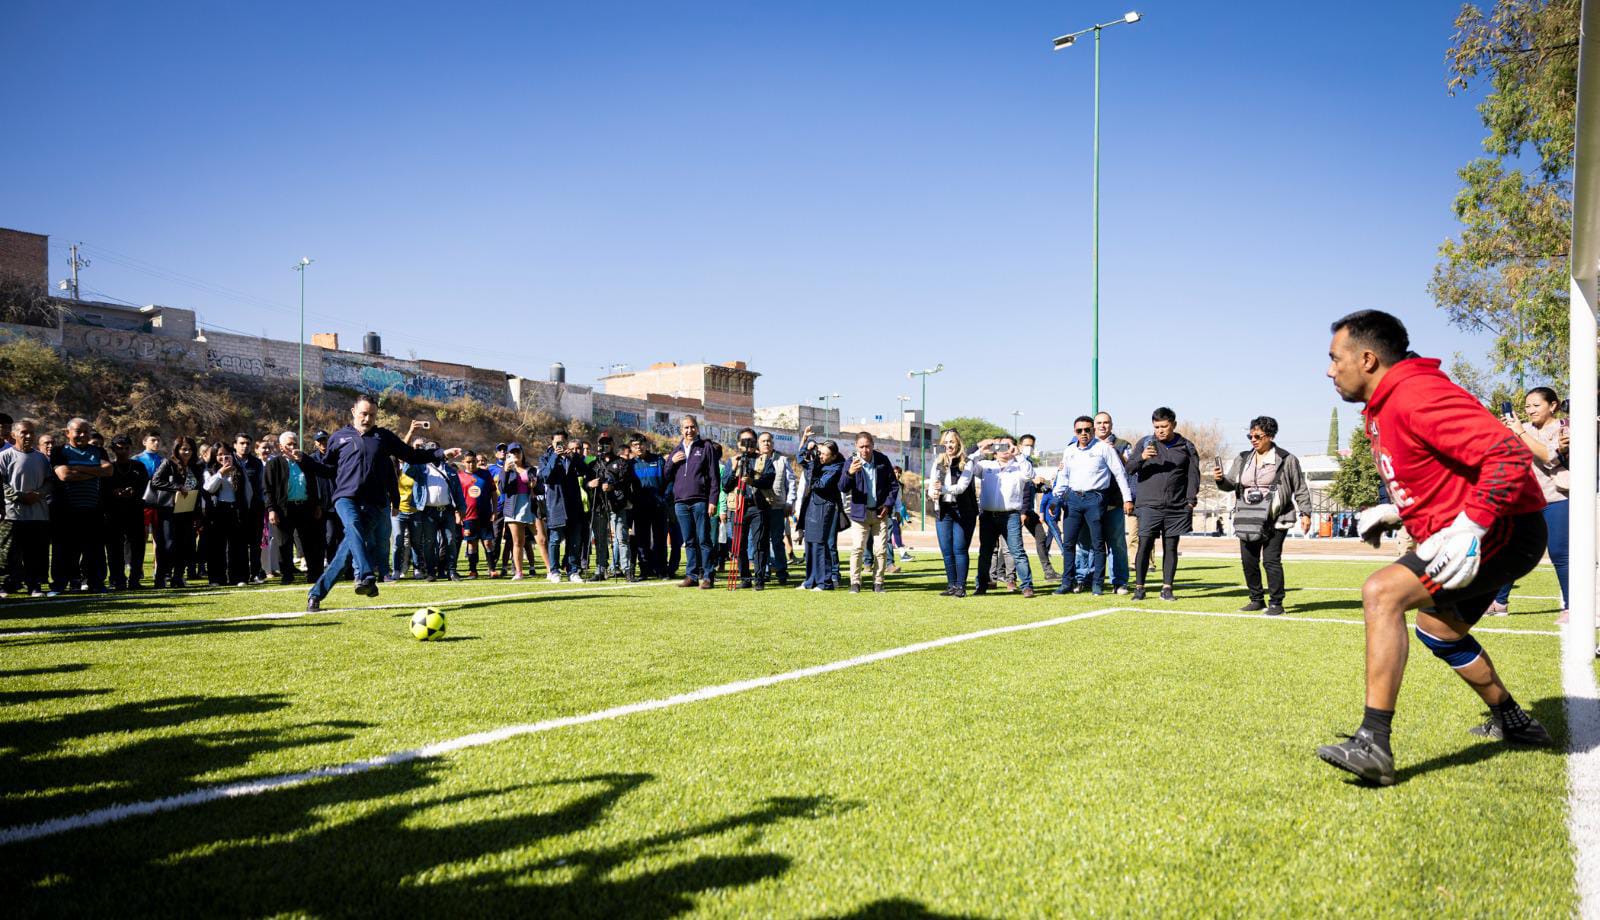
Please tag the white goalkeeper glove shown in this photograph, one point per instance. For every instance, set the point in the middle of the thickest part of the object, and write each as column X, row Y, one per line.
column 1374, row 522
column 1453, row 553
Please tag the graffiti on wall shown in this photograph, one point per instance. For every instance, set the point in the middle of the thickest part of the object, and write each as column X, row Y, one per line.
column 128, row 346
column 381, row 377
column 235, row 364
column 604, row 418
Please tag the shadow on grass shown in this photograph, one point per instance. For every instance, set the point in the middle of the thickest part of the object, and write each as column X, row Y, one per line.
column 897, row 909
column 379, row 844
column 1550, row 712
column 40, row 672
column 157, row 631
column 60, row 765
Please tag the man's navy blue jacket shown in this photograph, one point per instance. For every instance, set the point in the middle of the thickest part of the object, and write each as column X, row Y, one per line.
column 359, row 463
column 853, row 486
column 563, row 490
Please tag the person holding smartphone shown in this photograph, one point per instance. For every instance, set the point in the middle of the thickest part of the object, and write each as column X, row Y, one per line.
column 695, row 470
column 870, row 493
column 1166, row 482
column 1542, row 435
column 1268, row 485
column 1004, row 478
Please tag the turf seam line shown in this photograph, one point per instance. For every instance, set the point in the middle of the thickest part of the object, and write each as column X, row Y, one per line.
column 113, row 813
column 1290, row 619
column 296, row 614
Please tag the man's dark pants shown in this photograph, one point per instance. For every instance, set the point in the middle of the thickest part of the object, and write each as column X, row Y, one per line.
column 125, row 545
column 300, row 519
column 80, row 549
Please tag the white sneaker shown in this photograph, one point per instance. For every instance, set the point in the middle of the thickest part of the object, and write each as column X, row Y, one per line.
column 516, row 578
column 553, row 578
column 1120, row 590
column 3, row 595
column 51, row 594
column 37, row 594
column 576, row 579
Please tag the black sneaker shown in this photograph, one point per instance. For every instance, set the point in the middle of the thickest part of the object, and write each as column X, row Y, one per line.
column 1077, row 587
column 1531, row 734
column 855, row 587
column 949, row 591
column 367, row 587
column 313, row 605
column 960, row 592
column 1362, row 756
column 1063, row 589
column 1138, row 593
column 1275, row 610
column 1252, row 607
column 877, row 587
column 1167, row 595
column 761, row 586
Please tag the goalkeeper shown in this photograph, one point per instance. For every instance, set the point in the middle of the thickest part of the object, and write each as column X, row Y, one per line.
column 1464, row 488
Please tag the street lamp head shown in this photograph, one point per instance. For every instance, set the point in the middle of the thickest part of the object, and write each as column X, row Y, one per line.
column 1131, row 16
column 937, row 368
column 1065, row 41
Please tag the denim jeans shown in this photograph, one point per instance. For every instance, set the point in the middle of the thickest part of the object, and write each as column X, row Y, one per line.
column 561, row 538
column 1084, row 510
column 955, row 543
column 405, row 546
column 1114, row 532
column 694, row 524
column 621, row 536
column 1556, row 517
column 777, row 559
column 365, row 536
column 991, row 524
column 753, row 545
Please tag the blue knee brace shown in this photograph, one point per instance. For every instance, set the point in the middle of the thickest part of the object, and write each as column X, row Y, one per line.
column 1456, row 653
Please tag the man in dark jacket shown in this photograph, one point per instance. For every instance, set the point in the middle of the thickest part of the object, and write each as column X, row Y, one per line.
column 252, row 518
column 124, row 508
column 294, row 508
column 561, row 470
column 695, row 469
column 613, row 499
column 1166, row 473
column 332, row 527
column 360, row 459
column 872, row 492
column 650, row 509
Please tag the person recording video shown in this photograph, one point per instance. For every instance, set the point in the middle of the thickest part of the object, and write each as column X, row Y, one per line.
column 871, row 492
column 748, row 483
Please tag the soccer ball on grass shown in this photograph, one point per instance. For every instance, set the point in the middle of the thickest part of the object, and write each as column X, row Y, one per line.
column 427, row 623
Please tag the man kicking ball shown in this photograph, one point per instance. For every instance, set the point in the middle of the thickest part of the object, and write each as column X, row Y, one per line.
column 1464, row 488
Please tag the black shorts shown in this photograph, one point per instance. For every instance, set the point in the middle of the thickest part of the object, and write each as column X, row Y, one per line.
column 1511, row 548
column 1168, row 522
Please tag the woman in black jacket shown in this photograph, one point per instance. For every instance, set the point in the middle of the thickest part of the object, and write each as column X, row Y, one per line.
column 176, row 484
column 227, row 531
column 820, row 513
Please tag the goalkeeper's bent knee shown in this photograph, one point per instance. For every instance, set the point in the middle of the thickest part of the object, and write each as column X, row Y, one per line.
column 1457, row 653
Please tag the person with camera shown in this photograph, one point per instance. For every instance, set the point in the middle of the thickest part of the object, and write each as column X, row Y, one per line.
column 1004, row 479
column 695, row 469
column 615, row 491
column 955, row 509
column 360, row 458
column 748, row 484
column 1166, row 473
column 227, row 516
column 1089, row 469
column 780, row 504
column 1268, row 486
column 1543, row 435
column 820, row 510
column 561, row 470
column 871, row 492
column 436, row 523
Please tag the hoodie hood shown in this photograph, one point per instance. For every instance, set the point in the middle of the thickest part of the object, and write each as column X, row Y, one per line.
column 1412, row 371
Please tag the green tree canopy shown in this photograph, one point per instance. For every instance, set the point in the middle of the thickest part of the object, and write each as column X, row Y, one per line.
column 1506, row 274
column 1356, row 483
column 973, row 429
column 1333, row 433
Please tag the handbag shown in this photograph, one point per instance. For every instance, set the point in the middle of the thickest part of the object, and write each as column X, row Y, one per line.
column 1253, row 521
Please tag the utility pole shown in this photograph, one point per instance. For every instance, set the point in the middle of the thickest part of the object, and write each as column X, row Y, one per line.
column 301, row 268
column 922, row 437
column 76, row 262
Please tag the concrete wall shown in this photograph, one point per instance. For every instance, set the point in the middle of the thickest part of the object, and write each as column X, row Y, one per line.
column 566, row 400
column 252, row 356
column 123, row 345
column 440, row 382
column 45, row 334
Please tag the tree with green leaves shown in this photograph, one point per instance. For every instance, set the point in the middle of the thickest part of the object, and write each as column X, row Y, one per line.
column 1507, row 273
column 1356, row 483
column 973, row 429
column 1333, row 433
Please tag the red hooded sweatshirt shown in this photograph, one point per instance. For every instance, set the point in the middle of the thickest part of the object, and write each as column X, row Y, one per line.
column 1440, row 452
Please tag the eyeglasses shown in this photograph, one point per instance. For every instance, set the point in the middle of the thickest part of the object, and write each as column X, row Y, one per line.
column 1083, row 430
column 1255, row 436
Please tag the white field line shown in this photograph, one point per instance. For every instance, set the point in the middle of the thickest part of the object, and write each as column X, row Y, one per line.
column 102, row 816
column 297, row 614
column 1583, row 765
column 1290, row 619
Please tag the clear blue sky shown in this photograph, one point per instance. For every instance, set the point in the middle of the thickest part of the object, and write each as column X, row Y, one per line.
column 833, row 192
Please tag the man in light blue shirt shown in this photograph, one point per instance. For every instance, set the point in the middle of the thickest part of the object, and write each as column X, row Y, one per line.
column 1089, row 466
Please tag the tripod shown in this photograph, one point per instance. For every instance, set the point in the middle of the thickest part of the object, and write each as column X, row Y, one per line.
column 736, row 544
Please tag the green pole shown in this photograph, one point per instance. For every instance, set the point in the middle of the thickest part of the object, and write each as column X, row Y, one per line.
column 1094, row 368
column 302, row 441
column 922, row 453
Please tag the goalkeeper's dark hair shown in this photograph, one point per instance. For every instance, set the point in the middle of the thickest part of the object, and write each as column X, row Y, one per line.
column 1379, row 332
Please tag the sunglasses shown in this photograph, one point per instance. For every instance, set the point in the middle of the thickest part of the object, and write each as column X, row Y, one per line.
column 1256, row 437
column 1083, row 430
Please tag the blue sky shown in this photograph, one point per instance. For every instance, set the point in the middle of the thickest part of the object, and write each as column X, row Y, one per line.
column 833, row 192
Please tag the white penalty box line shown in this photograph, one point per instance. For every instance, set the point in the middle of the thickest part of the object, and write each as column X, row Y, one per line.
column 115, row 813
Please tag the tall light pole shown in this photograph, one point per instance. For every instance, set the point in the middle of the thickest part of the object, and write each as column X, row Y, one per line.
column 1066, row 41
column 301, row 268
column 904, row 428
column 1016, row 422
column 827, row 405
column 922, row 436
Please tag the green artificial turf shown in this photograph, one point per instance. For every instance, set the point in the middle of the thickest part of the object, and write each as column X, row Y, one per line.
column 1132, row 763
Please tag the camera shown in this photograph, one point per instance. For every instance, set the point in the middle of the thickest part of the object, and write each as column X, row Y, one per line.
column 1254, row 496
column 1002, row 446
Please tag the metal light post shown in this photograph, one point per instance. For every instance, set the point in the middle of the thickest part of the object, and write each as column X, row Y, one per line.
column 1066, row 41
column 827, row 406
column 922, row 437
column 1016, row 422
column 301, row 268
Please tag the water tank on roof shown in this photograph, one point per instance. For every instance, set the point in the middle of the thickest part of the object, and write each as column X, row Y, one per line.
column 371, row 344
column 558, row 373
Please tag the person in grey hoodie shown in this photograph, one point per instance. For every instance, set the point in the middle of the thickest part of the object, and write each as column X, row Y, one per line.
column 1268, row 486
column 1166, row 484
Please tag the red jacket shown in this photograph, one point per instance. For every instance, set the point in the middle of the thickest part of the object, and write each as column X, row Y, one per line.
column 1440, row 452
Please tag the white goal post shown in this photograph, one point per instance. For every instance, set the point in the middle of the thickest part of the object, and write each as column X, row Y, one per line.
column 1585, row 298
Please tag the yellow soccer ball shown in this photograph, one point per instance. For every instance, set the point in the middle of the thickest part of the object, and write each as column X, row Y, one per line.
column 427, row 623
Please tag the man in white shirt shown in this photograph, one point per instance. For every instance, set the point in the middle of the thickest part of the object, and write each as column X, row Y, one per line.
column 1003, row 476
column 1089, row 466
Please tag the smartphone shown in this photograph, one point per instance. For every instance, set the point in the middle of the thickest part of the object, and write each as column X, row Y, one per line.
column 1505, row 408
column 1001, row 447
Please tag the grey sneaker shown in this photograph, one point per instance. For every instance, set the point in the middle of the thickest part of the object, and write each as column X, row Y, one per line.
column 1252, row 607
column 1531, row 734
column 1361, row 755
column 1167, row 595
